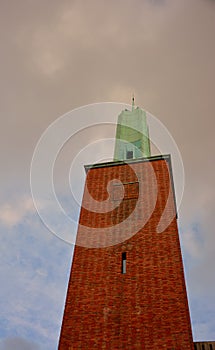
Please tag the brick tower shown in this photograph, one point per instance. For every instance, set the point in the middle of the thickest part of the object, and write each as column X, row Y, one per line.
column 127, row 288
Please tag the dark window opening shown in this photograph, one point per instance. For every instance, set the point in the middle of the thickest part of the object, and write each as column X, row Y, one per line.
column 211, row 346
column 124, row 262
column 129, row 154
column 203, row 347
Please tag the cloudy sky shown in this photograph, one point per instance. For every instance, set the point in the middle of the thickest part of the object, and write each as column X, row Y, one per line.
column 60, row 55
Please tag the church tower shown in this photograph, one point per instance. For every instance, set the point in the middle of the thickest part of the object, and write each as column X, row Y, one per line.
column 127, row 287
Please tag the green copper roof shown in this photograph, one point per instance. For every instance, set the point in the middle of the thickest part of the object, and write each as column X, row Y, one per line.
column 132, row 135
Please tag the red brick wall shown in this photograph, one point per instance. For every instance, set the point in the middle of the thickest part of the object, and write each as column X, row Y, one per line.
column 145, row 308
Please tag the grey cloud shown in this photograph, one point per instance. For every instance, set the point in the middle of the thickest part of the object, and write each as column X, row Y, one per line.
column 18, row 343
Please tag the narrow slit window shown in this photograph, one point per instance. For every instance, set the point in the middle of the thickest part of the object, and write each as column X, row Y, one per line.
column 124, row 262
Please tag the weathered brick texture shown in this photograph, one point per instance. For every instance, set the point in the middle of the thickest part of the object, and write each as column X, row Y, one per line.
column 145, row 308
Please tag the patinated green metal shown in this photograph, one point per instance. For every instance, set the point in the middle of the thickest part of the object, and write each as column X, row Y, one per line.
column 132, row 135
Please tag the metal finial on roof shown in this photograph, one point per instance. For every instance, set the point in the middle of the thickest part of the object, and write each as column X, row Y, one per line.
column 132, row 102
